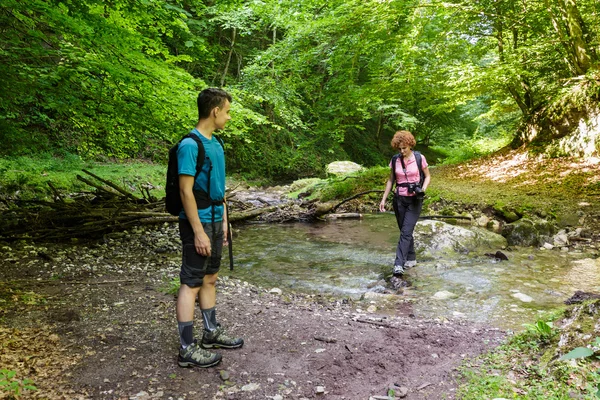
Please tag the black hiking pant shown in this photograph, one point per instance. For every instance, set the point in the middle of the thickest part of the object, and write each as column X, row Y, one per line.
column 407, row 210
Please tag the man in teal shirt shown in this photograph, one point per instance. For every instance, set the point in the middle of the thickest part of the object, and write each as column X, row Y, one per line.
column 203, row 229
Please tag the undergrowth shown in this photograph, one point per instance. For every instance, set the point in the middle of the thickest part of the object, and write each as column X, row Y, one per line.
column 528, row 367
column 30, row 178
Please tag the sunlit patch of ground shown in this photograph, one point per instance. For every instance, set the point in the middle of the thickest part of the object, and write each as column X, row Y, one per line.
column 518, row 180
column 508, row 166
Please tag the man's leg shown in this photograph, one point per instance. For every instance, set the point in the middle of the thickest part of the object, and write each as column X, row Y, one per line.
column 185, row 313
column 191, row 276
column 214, row 335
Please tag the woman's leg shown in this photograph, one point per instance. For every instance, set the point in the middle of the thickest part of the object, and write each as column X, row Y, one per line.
column 411, row 209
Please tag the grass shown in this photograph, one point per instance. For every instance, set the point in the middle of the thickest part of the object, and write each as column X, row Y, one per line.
column 29, row 177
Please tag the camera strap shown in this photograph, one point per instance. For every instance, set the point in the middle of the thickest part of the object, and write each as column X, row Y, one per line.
column 404, row 168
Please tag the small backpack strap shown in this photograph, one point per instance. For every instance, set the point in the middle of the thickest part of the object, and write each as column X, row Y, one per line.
column 419, row 160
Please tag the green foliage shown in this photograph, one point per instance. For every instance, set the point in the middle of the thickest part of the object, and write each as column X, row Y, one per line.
column 312, row 82
column 341, row 188
column 543, row 329
column 525, row 368
column 578, row 352
column 12, row 386
column 28, row 177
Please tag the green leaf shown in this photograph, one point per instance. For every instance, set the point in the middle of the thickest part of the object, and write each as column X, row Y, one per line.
column 189, row 43
column 579, row 352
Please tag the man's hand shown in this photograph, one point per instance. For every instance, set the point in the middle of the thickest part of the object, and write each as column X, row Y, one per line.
column 202, row 244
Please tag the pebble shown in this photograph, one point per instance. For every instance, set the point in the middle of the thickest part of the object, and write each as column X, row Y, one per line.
column 250, row 387
column 523, row 297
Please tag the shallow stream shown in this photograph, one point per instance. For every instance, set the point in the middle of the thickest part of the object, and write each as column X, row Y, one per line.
column 350, row 257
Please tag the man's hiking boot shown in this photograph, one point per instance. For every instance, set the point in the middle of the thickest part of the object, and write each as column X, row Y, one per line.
column 410, row 264
column 219, row 339
column 195, row 356
column 398, row 270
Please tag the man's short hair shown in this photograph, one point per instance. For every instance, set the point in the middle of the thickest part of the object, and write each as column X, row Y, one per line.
column 209, row 99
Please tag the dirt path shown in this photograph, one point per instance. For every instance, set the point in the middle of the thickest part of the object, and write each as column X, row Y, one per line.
column 95, row 321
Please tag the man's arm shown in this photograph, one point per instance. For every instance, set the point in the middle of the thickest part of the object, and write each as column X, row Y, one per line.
column 201, row 240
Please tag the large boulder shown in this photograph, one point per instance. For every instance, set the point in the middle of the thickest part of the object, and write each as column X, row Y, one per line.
column 433, row 237
column 341, row 168
column 527, row 232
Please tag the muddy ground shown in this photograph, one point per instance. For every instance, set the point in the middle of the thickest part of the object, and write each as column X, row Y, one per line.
column 96, row 320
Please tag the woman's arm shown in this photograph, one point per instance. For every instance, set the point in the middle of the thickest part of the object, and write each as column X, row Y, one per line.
column 427, row 178
column 388, row 188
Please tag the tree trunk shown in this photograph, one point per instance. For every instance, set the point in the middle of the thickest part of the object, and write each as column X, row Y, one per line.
column 577, row 44
column 233, row 35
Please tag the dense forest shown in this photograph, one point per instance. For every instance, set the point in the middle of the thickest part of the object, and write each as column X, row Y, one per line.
column 312, row 81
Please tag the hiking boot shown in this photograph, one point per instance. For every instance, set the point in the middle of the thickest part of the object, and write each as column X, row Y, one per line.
column 195, row 356
column 398, row 270
column 410, row 264
column 219, row 339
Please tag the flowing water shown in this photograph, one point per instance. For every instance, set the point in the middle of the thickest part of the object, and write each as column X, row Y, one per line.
column 350, row 257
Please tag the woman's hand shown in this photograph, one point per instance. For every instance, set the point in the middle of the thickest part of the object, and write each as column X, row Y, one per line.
column 382, row 205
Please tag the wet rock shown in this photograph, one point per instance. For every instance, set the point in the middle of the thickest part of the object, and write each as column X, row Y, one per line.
column 523, row 297
column 398, row 283
column 561, row 239
column 379, row 296
column 498, row 255
column 432, row 237
column 527, row 232
column 581, row 296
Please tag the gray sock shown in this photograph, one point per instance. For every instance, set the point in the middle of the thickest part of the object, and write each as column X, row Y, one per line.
column 186, row 333
column 210, row 319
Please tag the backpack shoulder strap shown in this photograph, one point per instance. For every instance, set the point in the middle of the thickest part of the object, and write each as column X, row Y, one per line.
column 220, row 141
column 201, row 152
column 419, row 160
column 394, row 159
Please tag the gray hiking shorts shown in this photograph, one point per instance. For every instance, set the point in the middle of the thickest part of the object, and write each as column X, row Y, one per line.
column 193, row 265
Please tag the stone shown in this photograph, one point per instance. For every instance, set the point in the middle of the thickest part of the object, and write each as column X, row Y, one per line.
column 444, row 295
column 523, row 297
column 250, row 387
column 320, row 390
column 224, row 375
column 560, row 239
column 433, row 237
column 483, row 221
column 340, row 168
column 528, row 232
column 276, row 291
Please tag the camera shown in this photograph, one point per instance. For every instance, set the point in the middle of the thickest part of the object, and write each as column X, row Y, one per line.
column 416, row 189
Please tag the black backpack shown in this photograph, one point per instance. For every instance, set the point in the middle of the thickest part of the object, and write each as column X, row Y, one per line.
column 419, row 161
column 172, row 196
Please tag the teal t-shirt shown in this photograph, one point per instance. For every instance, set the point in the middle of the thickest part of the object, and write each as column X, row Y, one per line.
column 187, row 153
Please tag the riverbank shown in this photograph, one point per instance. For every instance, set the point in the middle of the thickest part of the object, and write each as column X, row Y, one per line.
column 96, row 320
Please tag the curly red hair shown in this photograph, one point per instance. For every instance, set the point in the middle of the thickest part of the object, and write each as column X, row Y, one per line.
column 403, row 139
